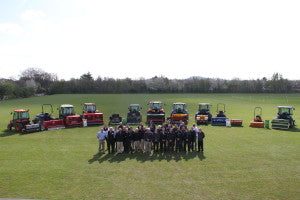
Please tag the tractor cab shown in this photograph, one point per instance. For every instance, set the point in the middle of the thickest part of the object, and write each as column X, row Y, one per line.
column 179, row 108
column 203, row 116
column 134, row 116
column 89, row 108
column 179, row 113
column 92, row 115
column 285, row 112
column 66, row 110
column 21, row 122
column 155, row 113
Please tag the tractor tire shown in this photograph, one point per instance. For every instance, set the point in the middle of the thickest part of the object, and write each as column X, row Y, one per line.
column 9, row 127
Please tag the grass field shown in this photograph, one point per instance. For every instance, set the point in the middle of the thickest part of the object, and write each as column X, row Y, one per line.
column 238, row 163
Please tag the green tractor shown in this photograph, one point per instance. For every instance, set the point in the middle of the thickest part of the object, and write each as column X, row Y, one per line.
column 284, row 119
column 134, row 116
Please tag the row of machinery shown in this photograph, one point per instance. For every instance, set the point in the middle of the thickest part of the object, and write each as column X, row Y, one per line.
column 67, row 117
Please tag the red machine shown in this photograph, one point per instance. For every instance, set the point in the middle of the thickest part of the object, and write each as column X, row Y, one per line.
column 21, row 122
column 46, row 120
column 69, row 117
column 92, row 115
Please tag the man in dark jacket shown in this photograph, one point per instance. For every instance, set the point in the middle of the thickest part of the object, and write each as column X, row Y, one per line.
column 126, row 142
column 110, row 140
column 156, row 139
column 163, row 140
column 148, row 140
column 179, row 138
column 119, row 139
column 171, row 139
column 191, row 135
column 201, row 136
column 184, row 138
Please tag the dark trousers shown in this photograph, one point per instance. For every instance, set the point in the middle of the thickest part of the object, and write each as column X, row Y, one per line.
column 185, row 144
column 111, row 146
column 179, row 145
column 127, row 146
column 163, row 146
column 171, row 145
column 155, row 146
column 190, row 145
column 200, row 145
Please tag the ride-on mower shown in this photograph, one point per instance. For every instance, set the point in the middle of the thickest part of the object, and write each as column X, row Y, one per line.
column 203, row 116
column 92, row 115
column 257, row 120
column 284, row 119
column 179, row 113
column 21, row 122
column 115, row 119
column 155, row 113
column 134, row 116
column 46, row 121
column 68, row 115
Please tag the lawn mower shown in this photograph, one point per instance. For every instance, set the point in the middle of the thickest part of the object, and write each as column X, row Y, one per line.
column 115, row 119
column 46, row 121
column 134, row 116
column 284, row 119
column 68, row 115
column 257, row 120
column 179, row 113
column 155, row 113
column 203, row 116
column 92, row 115
column 21, row 122
column 220, row 119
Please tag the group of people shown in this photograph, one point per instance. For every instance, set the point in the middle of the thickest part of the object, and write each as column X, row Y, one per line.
column 162, row 138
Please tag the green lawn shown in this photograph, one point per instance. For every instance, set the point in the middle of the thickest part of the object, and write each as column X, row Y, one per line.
column 238, row 163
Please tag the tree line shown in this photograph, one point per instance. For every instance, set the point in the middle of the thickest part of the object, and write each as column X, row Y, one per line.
column 34, row 81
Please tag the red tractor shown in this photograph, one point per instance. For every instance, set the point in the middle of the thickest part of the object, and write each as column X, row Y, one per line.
column 68, row 115
column 92, row 115
column 21, row 122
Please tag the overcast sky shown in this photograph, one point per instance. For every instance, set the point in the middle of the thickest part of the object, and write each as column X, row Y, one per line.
column 134, row 38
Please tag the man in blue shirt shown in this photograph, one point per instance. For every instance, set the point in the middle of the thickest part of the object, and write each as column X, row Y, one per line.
column 101, row 137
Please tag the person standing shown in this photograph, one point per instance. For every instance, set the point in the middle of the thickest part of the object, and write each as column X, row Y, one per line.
column 156, row 138
column 136, row 140
column 201, row 136
column 148, row 141
column 110, row 140
column 142, row 138
column 171, row 139
column 126, row 141
column 191, row 139
column 184, row 138
column 101, row 138
column 119, row 140
column 195, row 128
column 163, row 139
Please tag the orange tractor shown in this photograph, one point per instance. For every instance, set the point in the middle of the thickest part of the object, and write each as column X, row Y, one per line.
column 179, row 113
column 92, row 115
column 21, row 122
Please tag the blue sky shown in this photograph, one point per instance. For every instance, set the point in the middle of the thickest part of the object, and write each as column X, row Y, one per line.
column 135, row 38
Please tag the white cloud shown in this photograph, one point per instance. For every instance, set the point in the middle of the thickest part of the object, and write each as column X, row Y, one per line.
column 11, row 29
column 31, row 14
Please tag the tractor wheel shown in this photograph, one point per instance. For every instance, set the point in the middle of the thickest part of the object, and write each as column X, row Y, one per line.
column 9, row 127
column 18, row 128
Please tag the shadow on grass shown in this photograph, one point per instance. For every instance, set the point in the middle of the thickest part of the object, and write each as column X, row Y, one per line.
column 7, row 133
column 141, row 157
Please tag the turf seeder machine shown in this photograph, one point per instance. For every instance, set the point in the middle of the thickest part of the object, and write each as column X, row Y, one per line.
column 257, row 121
column 220, row 119
column 179, row 113
column 155, row 113
column 69, row 117
column 92, row 115
column 203, row 116
column 284, row 119
column 21, row 122
column 47, row 121
column 134, row 116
